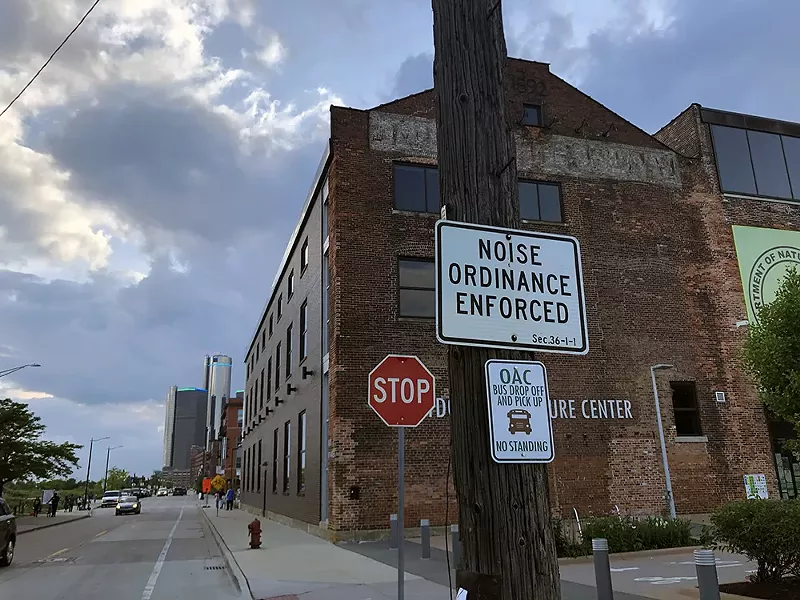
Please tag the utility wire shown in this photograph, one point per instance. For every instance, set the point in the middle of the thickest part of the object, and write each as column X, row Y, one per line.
column 47, row 62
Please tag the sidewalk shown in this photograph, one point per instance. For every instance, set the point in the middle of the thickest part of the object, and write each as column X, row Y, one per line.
column 291, row 562
column 26, row 524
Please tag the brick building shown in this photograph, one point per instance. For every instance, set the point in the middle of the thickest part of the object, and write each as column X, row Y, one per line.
column 662, row 285
column 230, row 434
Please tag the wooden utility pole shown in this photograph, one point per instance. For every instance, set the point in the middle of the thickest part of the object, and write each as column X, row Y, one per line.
column 508, row 547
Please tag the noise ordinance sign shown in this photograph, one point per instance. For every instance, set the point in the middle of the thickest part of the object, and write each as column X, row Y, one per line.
column 506, row 288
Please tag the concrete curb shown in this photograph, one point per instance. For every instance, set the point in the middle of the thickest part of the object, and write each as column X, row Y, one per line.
column 53, row 524
column 630, row 555
column 238, row 576
column 694, row 594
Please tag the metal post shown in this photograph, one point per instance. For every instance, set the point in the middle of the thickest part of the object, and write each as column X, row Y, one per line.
column 668, row 479
column 393, row 531
column 455, row 538
column 707, row 581
column 401, row 492
column 105, row 477
column 88, row 469
column 602, row 569
column 425, row 534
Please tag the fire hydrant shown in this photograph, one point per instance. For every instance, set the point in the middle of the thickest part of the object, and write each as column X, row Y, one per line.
column 254, row 529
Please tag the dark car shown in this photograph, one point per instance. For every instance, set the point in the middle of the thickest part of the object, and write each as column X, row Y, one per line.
column 179, row 491
column 8, row 534
column 128, row 505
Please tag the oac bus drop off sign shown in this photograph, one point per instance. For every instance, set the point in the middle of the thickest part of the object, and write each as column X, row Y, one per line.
column 519, row 414
column 506, row 288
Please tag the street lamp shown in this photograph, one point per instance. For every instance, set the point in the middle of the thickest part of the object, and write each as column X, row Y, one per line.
column 89, row 467
column 670, row 498
column 15, row 369
column 108, row 455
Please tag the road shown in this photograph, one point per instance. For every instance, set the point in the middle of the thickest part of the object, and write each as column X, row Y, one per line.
column 164, row 553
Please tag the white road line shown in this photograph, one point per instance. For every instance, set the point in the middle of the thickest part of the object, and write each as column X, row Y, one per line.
column 151, row 583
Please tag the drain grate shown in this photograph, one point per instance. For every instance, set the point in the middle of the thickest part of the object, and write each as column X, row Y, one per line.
column 214, row 568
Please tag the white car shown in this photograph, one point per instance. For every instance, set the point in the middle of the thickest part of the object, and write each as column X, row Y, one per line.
column 162, row 492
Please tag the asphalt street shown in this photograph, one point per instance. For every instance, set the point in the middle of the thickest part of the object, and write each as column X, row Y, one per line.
column 164, row 553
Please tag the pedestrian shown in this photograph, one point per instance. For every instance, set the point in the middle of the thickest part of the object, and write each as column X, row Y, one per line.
column 37, row 506
column 69, row 503
column 229, row 496
column 54, row 504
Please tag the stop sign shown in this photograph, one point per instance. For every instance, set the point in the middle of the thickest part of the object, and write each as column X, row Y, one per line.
column 401, row 391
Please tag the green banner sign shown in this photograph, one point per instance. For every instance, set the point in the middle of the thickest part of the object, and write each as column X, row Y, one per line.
column 764, row 256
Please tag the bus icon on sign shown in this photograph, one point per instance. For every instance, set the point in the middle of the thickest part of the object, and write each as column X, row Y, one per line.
column 519, row 420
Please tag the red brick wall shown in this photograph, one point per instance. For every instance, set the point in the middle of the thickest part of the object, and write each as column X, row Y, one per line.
column 661, row 285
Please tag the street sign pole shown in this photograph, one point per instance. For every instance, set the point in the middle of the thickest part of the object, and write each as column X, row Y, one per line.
column 402, row 393
column 401, row 501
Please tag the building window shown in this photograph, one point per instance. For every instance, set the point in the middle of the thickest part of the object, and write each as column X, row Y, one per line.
column 258, row 469
column 301, row 453
column 270, row 326
column 257, row 350
column 269, row 377
column 277, row 367
column 757, row 163
column 416, row 290
column 304, row 257
column 532, row 115
column 287, row 455
column 239, row 417
column 275, row 461
column 416, row 188
column 303, row 330
column 539, row 201
column 289, row 351
column 325, row 212
column 280, row 306
column 290, row 285
column 687, row 413
column 261, row 398
column 238, row 462
column 326, row 297
column 264, row 339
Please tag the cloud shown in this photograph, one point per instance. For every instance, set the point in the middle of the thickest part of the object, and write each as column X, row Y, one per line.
column 150, row 177
column 273, row 53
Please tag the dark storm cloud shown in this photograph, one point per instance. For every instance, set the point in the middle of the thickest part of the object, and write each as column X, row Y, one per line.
column 171, row 164
column 737, row 56
column 99, row 343
column 414, row 75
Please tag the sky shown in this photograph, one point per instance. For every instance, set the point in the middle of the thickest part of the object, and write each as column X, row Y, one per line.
column 151, row 176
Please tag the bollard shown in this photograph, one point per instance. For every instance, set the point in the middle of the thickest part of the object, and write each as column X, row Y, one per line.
column 602, row 569
column 707, row 581
column 393, row 531
column 425, row 534
column 456, row 541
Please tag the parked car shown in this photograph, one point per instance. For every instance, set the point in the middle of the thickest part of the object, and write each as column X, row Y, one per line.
column 128, row 505
column 8, row 534
column 179, row 491
column 110, row 498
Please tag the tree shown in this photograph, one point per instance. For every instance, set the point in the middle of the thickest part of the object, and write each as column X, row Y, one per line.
column 772, row 352
column 23, row 452
column 507, row 539
column 117, row 479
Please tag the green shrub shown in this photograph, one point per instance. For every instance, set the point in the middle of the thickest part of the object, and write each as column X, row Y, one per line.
column 628, row 534
column 625, row 534
column 765, row 531
column 565, row 547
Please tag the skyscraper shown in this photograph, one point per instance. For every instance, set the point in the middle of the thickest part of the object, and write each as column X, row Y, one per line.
column 219, row 390
column 190, row 424
column 169, row 426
